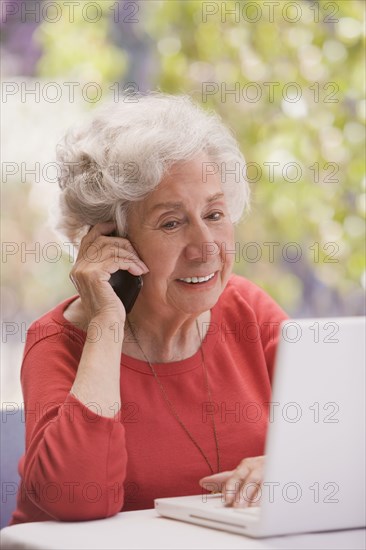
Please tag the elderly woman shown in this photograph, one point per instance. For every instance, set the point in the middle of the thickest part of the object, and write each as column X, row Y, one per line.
column 172, row 398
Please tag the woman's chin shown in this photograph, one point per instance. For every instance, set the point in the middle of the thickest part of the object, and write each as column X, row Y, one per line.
column 196, row 300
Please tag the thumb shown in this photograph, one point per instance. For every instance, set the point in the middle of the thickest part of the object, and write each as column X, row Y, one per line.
column 214, row 482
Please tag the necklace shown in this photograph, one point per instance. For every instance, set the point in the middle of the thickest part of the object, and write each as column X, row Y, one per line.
column 172, row 408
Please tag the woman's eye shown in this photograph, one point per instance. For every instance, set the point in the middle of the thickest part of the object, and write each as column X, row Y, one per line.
column 215, row 216
column 170, row 225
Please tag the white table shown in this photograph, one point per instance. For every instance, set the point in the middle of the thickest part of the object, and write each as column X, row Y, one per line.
column 144, row 529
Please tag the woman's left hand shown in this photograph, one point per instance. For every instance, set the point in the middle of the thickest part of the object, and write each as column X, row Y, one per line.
column 240, row 487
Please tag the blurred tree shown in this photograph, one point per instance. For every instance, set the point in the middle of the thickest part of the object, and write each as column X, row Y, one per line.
column 289, row 83
column 18, row 50
column 81, row 48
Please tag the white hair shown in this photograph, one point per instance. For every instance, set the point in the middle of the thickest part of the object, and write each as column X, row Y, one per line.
column 123, row 153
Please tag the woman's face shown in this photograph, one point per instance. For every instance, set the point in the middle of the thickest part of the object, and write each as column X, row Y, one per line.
column 182, row 230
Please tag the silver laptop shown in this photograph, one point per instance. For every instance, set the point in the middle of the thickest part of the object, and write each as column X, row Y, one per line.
column 314, row 478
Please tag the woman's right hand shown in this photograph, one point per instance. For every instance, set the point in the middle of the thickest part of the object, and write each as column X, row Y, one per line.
column 99, row 256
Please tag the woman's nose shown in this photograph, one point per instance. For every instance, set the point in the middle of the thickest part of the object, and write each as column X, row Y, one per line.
column 200, row 245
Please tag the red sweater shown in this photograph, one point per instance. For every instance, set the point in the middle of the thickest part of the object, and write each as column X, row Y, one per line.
column 79, row 465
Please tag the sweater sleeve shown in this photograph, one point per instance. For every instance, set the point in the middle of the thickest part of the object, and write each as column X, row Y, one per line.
column 75, row 461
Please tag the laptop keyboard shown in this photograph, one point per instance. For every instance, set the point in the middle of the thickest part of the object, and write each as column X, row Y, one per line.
column 252, row 510
column 216, row 502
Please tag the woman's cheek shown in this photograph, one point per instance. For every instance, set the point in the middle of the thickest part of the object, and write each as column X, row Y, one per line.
column 228, row 248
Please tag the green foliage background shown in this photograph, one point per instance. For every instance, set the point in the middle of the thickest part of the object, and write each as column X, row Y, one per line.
column 323, row 53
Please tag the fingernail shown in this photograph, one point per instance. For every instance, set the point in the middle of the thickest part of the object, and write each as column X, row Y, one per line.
column 228, row 500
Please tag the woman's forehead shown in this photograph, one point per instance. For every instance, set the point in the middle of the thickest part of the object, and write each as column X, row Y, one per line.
column 178, row 189
column 177, row 195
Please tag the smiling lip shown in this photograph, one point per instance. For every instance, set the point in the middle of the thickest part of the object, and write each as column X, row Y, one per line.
column 198, row 280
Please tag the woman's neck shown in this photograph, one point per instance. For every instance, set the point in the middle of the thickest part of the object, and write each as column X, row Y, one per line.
column 162, row 340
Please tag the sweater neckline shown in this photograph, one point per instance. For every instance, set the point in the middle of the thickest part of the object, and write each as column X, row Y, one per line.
column 162, row 369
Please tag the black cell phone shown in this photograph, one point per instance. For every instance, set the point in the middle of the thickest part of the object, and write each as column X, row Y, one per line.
column 126, row 286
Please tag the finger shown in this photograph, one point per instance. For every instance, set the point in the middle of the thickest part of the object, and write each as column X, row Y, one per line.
column 215, row 482
column 246, row 494
column 133, row 268
column 231, row 488
column 135, row 256
column 121, row 245
column 106, row 268
column 256, row 498
column 103, row 228
column 130, row 257
column 104, row 248
column 93, row 233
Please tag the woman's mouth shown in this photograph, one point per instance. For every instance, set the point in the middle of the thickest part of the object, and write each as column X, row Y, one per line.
column 199, row 279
